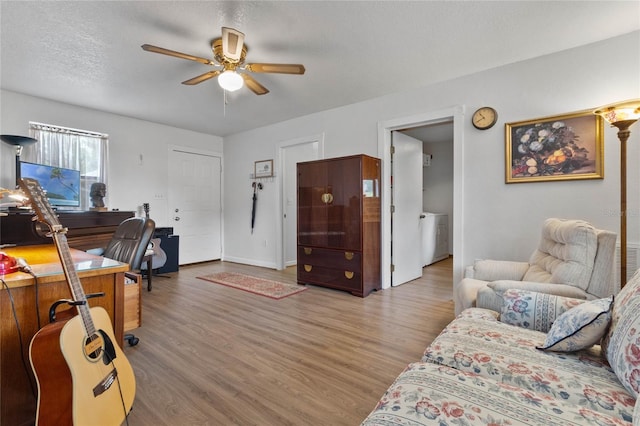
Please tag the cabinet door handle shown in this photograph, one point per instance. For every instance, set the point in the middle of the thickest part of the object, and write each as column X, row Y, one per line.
column 348, row 274
column 308, row 268
column 348, row 255
column 327, row 198
column 307, row 251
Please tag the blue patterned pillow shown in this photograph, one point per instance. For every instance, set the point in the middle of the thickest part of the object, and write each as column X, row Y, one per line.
column 533, row 310
column 580, row 327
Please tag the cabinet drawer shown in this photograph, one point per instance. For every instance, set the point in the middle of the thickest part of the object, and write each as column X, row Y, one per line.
column 337, row 259
column 330, row 277
column 132, row 293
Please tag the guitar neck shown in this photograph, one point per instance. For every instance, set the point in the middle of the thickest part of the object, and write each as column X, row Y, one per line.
column 75, row 286
column 45, row 213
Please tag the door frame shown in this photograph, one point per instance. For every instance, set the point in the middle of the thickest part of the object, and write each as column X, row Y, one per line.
column 198, row 151
column 280, row 150
column 457, row 114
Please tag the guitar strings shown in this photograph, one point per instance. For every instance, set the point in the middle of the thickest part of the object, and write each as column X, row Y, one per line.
column 124, row 406
column 19, row 330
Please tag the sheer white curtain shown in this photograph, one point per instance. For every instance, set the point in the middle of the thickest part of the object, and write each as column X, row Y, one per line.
column 71, row 149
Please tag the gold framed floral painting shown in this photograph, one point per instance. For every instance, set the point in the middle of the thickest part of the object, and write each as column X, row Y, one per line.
column 562, row 147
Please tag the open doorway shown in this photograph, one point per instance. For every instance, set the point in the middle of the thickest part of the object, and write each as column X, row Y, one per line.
column 422, row 198
column 435, row 193
column 453, row 115
column 437, row 187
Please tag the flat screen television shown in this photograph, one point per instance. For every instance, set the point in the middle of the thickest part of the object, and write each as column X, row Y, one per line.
column 61, row 185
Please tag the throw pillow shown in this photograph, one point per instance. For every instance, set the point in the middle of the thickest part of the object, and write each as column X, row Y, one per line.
column 580, row 327
column 533, row 310
column 622, row 345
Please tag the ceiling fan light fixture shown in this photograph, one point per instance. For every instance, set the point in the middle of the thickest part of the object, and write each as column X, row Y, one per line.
column 230, row 81
column 229, row 53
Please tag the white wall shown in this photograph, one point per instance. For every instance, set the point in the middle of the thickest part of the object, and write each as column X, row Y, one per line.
column 500, row 221
column 130, row 184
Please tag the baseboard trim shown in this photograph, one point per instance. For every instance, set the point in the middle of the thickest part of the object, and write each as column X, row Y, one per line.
column 252, row 262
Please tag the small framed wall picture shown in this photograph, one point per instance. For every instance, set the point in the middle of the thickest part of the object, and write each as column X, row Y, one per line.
column 263, row 168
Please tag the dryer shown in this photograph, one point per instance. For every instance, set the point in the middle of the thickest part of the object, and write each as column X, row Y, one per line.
column 435, row 237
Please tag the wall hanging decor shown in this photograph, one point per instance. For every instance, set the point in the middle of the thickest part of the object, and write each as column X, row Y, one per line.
column 562, row 147
column 263, row 168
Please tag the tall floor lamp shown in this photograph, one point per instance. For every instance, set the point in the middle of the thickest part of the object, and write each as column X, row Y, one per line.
column 622, row 115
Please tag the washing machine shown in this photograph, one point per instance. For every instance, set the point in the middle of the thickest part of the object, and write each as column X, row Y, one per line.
column 435, row 237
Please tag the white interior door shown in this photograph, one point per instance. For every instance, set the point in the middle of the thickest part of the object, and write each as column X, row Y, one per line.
column 406, row 230
column 195, row 204
column 291, row 156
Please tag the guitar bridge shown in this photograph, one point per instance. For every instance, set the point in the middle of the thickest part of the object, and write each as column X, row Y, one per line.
column 106, row 383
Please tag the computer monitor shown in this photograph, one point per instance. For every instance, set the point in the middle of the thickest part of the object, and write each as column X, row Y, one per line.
column 61, row 185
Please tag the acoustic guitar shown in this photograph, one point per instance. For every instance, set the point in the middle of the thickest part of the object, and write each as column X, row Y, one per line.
column 83, row 376
column 159, row 257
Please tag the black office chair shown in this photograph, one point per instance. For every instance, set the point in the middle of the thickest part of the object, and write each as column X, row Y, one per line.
column 129, row 245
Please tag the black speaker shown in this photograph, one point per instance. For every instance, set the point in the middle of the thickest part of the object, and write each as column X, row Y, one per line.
column 163, row 231
column 170, row 244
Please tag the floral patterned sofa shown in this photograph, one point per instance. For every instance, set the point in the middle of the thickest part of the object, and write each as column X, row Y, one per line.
column 543, row 360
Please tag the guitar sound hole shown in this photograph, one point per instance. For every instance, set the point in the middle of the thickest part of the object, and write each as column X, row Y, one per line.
column 93, row 347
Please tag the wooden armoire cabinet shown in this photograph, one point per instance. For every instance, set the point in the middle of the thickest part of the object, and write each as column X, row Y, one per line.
column 339, row 223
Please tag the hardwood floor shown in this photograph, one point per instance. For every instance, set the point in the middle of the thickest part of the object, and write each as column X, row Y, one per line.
column 214, row 355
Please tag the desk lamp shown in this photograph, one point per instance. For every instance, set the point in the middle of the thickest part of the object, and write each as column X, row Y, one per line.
column 16, row 195
column 19, row 142
column 17, row 198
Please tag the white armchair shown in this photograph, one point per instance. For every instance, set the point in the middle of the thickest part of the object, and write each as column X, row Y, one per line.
column 573, row 259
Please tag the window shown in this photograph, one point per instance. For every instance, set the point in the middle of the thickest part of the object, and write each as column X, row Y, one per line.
column 72, row 149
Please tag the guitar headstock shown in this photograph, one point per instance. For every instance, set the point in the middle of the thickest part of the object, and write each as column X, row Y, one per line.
column 40, row 203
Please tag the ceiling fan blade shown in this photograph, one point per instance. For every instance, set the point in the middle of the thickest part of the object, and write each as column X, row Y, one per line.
column 276, row 68
column 156, row 49
column 201, row 78
column 254, row 86
column 232, row 42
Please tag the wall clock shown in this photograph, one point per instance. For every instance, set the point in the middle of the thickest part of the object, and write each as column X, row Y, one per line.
column 484, row 118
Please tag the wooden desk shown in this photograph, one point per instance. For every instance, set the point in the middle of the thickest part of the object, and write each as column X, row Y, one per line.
column 97, row 274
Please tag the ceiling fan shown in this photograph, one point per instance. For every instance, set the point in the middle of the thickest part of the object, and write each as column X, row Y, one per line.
column 229, row 54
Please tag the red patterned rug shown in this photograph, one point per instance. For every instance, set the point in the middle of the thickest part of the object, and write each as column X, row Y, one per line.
column 273, row 289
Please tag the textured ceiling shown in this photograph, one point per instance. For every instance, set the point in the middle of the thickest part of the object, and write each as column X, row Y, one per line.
column 88, row 53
